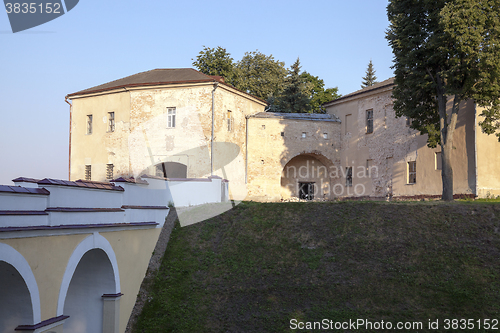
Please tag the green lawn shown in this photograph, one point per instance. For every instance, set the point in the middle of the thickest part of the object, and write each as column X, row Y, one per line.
column 258, row 266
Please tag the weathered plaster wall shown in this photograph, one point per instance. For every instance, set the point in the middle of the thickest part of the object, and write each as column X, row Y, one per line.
column 142, row 138
column 152, row 141
column 393, row 144
column 101, row 147
column 269, row 151
column 488, row 161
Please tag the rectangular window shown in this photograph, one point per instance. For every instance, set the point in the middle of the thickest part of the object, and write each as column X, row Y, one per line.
column 89, row 124
column 304, row 134
column 170, row 117
column 111, row 121
column 229, row 121
column 109, row 171
column 88, row 172
column 438, row 161
column 325, row 135
column 408, row 121
column 412, row 172
column 348, row 177
column 369, row 121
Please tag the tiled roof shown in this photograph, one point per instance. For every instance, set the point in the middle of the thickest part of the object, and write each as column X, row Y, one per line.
column 160, row 76
column 25, row 190
column 153, row 77
column 129, row 180
column 26, row 180
column 379, row 85
column 81, row 183
column 296, row 116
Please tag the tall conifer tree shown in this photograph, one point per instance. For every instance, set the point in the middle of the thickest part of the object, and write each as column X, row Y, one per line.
column 369, row 79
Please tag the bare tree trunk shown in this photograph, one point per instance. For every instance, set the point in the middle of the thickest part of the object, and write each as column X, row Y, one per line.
column 447, row 172
column 447, row 131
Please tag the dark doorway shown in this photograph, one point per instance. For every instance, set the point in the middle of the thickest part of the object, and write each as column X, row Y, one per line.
column 306, row 191
column 171, row 170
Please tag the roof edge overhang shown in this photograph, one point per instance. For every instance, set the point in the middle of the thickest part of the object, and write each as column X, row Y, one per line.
column 358, row 95
column 160, row 85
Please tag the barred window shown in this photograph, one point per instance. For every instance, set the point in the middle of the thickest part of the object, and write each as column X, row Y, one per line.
column 412, row 172
column 369, row 121
column 109, row 171
column 348, row 177
column 88, row 172
column 171, row 117
column 111, row 121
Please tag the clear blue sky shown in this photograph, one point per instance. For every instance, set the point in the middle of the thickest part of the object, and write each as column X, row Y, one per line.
column 100, row 41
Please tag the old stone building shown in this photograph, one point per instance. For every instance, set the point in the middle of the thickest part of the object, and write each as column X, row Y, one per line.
column 182, row 124
column 165, row 122
column 399, row 161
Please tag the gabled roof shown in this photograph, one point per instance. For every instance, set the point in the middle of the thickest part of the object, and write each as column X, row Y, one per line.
column 376, row 86
column 156, row 77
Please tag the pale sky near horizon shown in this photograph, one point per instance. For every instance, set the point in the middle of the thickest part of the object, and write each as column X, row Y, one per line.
column 101, row 41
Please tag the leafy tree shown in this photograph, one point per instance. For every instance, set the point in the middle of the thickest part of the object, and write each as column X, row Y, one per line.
column 296, row 95
column 445, row 50
column 369, row 79
column 216, row 61
column 319, row 94
column 260, row 75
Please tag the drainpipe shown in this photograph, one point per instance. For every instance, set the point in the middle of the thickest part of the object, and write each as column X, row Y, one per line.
column 212, row 138
column 246, row 150
column 476, row 187
column 69, row 156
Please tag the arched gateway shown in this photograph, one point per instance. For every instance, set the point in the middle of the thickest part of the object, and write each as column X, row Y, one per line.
column 307, row 176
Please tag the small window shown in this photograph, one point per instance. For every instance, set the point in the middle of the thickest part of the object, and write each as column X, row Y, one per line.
column 438, row 161
column 229, row 121
column 109, row 171
column 88, row 172
column 263, row 127
column 408, row 121
column 89, row 124
column 170, row 117
column 304, row 134
column 369, row 121
column 282, row 133
column 111, row 121
column 348, row 177
column 412, row 172
column 325, row 135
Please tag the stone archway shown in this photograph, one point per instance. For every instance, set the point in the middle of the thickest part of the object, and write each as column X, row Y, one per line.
column 307, row 176
column 91, row 288
column 93, row 278
column 20, row 299
column 15, row 300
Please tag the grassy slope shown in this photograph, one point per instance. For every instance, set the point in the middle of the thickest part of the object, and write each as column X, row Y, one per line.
column 257, row 266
